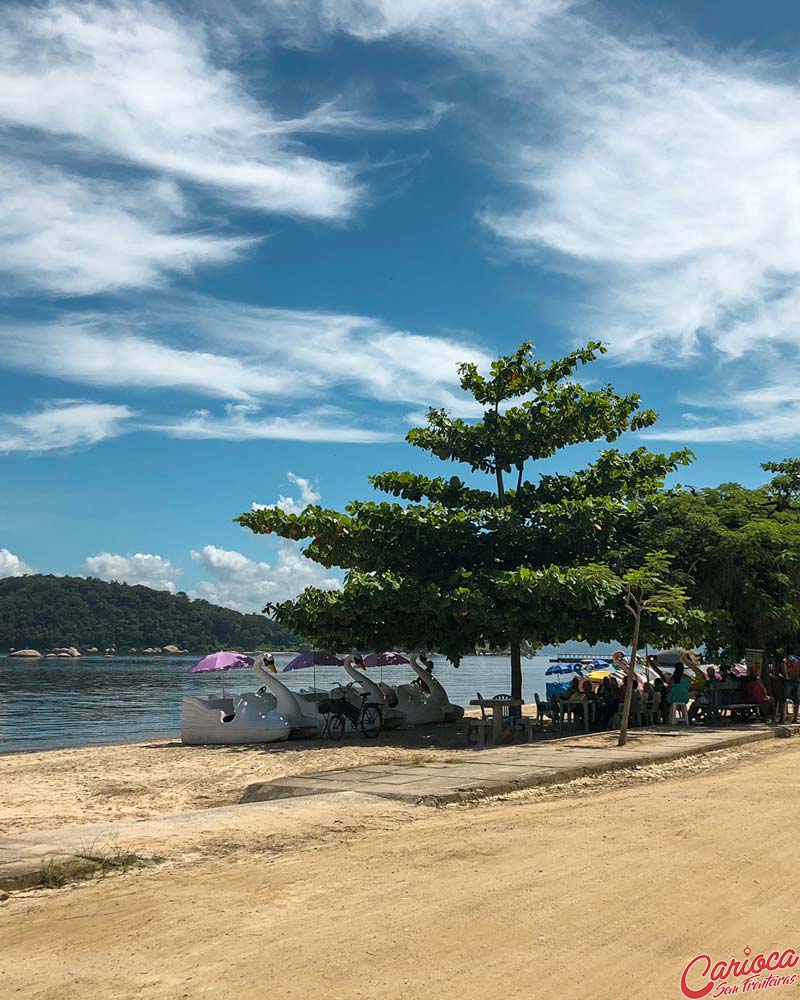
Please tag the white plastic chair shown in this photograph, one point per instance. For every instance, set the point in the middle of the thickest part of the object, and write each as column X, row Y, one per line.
column 679, row 708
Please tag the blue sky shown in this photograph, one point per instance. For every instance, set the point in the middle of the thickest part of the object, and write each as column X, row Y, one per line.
column 243, row 246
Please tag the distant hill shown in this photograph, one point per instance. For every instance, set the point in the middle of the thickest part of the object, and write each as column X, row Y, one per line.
column 46, row 611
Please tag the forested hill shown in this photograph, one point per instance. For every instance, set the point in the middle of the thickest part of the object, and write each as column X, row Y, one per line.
column 46, row 611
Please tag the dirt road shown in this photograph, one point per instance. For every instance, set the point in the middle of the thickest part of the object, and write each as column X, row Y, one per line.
column 601, row 895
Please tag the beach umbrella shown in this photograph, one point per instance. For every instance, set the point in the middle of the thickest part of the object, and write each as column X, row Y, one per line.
column 220, row 662
column 317, row 659
column 388, row 659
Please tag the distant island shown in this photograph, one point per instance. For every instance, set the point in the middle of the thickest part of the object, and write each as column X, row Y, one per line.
column 44, row 612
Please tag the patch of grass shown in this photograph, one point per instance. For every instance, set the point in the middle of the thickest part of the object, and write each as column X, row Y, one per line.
column 454, row 760
column 94, row 862
column 417, row 762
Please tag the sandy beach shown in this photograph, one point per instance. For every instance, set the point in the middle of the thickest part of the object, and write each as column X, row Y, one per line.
column 54, row 788
column 404, row 903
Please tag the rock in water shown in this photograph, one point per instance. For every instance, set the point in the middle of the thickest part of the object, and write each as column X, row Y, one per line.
column 27, row 654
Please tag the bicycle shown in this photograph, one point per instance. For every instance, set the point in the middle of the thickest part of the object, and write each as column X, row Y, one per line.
column 367, row 716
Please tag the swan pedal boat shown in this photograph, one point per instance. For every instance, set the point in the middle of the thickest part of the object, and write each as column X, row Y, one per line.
column 409, row 704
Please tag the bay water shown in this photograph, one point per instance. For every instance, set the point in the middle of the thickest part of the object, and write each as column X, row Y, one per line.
column 96, row 699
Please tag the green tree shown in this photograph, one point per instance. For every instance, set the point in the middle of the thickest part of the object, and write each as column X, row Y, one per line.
column 46, row 611
column 737, row 551
column 646, row 592
column 451, row 566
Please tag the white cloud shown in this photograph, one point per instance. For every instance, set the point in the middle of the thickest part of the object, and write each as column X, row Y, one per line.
column 674, row 187
column 464, row 26
column 62, row 424
column 246, row 585
column 291, row 505
column 237, row 351
column 149, row 570
column 765, row 412
column 136, row 83
column 265, row 360
column 79, row 236
column 11, row 565
column 665, row 175
column 101, row 349
column 241, row 425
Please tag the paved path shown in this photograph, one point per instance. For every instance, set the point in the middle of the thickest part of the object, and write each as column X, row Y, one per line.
column 480, row 773
column 293, row 805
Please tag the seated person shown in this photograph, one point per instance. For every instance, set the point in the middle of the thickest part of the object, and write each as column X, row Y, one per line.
column 791, row 689
column 705, row 704
column 755, row 693
column 726, row 687
column 678, row 691
column 609, row 700
column 776, row 687
column 660, row 688
column 574, row 688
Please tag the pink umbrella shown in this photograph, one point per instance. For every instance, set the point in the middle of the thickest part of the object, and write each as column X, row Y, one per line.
column 388, row 659
column 222, row 661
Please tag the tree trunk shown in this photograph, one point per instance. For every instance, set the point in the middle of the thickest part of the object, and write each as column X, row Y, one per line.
column 516, row 670
column 501, row 489
column 626, row 708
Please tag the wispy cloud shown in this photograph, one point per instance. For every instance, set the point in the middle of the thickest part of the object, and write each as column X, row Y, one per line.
column 137, row 83
column 248, row 424
column 289, row 374
column 78, row 236
column 664, row 174
column 105, row 350
column 62, row 424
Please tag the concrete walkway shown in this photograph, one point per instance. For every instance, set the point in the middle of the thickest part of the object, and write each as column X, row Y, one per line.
column 476, row 774
column 295, row 806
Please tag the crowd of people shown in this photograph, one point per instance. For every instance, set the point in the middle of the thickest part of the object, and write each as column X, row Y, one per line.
column 707, row 695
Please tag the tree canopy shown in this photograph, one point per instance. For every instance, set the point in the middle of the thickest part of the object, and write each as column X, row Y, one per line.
column 737, row 551
column 47, row 611
column 450, row 565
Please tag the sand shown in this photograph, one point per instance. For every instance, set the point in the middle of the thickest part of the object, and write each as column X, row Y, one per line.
column 54, row 788
column 602, row 889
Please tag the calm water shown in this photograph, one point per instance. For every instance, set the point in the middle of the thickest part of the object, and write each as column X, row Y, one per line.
column 59, row 703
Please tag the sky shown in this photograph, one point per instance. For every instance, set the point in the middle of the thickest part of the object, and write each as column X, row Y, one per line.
column 244, row 245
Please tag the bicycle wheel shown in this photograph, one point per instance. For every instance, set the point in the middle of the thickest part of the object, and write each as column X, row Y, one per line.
column 336, row 727
column 371, row 721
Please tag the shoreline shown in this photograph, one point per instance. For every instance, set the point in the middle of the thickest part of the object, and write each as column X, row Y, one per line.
column 173, row 736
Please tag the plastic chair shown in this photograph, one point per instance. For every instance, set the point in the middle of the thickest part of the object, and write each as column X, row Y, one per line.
column 478, row 730
column 679, row 708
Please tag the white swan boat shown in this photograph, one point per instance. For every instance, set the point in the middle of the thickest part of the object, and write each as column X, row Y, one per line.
column 393, row 718
column 419, row 704
column 301, row 712
column 254, row 717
